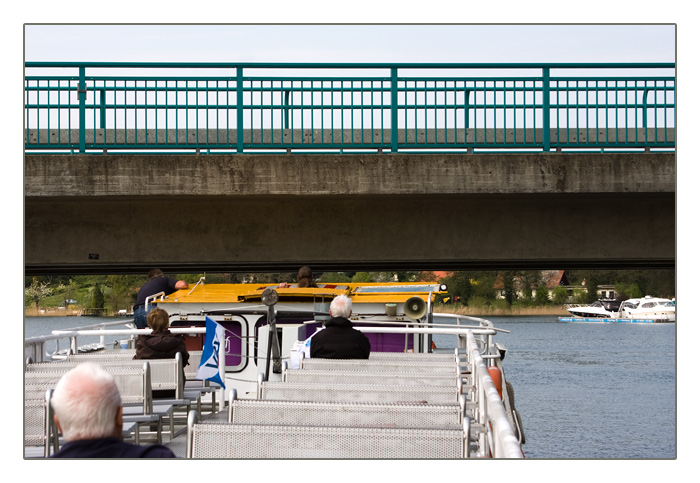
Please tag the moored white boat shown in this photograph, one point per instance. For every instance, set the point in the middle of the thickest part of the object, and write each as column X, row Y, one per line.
column 647, row 310
column 602, row 308
column 657, row 309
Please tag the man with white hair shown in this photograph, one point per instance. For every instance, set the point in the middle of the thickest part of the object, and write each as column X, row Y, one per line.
column 339, row 340
column 88, row 412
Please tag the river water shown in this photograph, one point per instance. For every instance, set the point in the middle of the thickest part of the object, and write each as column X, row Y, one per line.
column 584, row 391
column 589, row 390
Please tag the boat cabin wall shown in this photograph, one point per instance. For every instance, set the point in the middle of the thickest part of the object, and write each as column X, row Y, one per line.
column 378, row 342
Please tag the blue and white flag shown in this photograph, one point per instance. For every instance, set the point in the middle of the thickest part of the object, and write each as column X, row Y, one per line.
column 209, row 366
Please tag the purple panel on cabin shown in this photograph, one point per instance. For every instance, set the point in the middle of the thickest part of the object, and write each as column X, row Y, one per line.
column 378, row 342
column 389, row 342
column 232, row 335
column 310, row 330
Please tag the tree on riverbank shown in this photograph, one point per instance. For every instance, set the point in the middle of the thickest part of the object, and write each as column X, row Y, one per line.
column 98, row 298
column 36, row 292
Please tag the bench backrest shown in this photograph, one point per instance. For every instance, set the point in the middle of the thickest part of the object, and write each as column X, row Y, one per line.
column 39, row 428
column 226, row 440
column 451, row 368
column 253, row 411
column 190, row 369
column 164, row 373
column 414, row 356
column 373, row 377
column 134, row 382
column 101, row 355
column 193, row 364
column 293, row 391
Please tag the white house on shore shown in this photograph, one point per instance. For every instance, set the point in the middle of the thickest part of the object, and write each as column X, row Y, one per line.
column 553, row 279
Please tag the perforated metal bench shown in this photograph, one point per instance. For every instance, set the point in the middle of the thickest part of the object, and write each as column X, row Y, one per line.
column 192, row 389
column 293, row 391
column 41, row 438
column 370, row 377
column 190, row 369
column 414, row 356
column 230, row 440
column 166, row 374
column 256, row 411
column 105, row 354
column 451, row 368
column 134, row 383
column 39, row 430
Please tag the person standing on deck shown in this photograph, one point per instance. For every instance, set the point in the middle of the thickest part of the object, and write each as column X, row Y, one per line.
column 305, row 279
column 339, row 340
column 157, row 282
column 88, row 412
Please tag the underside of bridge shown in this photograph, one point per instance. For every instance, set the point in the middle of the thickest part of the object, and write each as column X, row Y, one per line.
column 111, row 214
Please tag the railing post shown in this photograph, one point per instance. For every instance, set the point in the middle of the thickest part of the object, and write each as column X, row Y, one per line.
column 466, row 109
column 286, row 108
column 82, row 91
column 394, row 110
column 103, row 107
column 546, row 141
column 645, row 106
column 239, row 109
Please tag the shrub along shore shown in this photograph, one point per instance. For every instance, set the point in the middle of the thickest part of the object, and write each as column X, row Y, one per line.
column 486, row 311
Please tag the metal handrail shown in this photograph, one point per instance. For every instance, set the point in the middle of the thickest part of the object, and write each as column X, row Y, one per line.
column 36, row 345
column 358, row 65
column 530, row 108
column 491, row 413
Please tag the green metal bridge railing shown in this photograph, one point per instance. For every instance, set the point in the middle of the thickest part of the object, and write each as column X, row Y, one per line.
column 243, row 107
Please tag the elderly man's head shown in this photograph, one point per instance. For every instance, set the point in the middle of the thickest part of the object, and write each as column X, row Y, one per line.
column 87, row 404
column 341, row 306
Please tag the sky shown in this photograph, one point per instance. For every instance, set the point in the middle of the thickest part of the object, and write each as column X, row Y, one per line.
column 351, row 43
column 403, row 41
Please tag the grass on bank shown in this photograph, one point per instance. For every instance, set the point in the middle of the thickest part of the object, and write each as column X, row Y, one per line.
column 495, row 311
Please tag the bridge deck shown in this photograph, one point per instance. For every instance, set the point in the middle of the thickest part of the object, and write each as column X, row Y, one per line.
column 462, row 139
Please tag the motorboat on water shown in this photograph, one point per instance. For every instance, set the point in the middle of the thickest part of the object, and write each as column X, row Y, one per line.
column 603, row 308
column 640, row 310
column 265, row 327
column 657, row 309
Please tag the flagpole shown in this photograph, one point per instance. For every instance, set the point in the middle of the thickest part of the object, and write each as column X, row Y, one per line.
column 269, row 298
column 222, row 371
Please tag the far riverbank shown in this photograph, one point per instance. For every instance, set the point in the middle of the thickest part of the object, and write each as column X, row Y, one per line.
column 558, row 310
column 62, row 312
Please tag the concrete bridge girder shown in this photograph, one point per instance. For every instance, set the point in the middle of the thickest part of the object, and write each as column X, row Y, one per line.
column 123, row 213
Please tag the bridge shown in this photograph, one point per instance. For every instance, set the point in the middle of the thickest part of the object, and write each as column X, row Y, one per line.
column 265, row 167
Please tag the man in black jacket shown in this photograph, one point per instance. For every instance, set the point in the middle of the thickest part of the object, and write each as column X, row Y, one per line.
column 88, row 412
column 339, row 340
